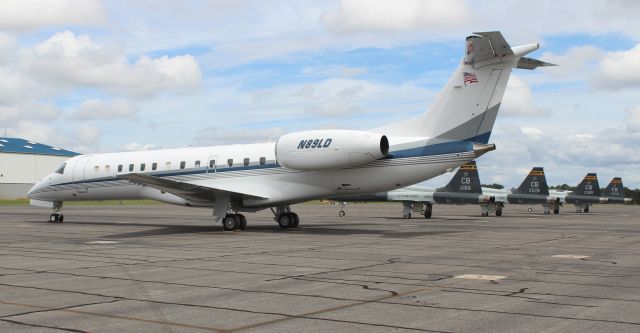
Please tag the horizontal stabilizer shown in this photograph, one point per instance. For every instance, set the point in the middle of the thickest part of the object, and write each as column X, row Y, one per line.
column 530, row 63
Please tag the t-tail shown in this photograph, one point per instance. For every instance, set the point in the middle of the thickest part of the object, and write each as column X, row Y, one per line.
column 466, row 180
column 589, row 186
column 535, row 183
column 467, row 107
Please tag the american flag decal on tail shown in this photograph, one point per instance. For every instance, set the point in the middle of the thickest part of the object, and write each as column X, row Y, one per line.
column 470, row 78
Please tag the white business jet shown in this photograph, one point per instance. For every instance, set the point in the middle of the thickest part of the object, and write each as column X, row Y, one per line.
column 306, row 165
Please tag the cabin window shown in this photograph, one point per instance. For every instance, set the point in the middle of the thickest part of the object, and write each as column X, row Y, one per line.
column 263, row 160
column 246, row 161
column 230, row 162
column 120, row 168
column 168, row 165
column 142, row 166
column 61, row 168
column 197, row 164
column 183, row 164
column 154, row 166
column 96, row 169
column 212, row 164
column 130, row 167
column 107, row 168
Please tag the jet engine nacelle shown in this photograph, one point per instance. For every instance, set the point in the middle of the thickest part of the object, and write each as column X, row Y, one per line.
column 330, row 149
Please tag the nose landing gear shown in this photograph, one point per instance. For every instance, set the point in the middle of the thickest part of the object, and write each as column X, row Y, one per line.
column 57, row 216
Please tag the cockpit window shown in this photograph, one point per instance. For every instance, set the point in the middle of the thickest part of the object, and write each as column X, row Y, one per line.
column 61, row 168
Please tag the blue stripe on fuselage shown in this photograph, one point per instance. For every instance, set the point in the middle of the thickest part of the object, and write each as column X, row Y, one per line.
column 450, row 147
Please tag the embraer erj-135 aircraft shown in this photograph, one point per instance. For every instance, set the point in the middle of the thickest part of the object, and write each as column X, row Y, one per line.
column 307, row 165
column 464, row 188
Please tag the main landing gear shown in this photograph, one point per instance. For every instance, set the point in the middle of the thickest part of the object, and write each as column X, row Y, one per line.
column 234, row 222
column 57, row 216
column 285, row 217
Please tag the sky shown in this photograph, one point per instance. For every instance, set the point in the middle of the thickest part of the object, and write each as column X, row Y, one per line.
column 103, row 76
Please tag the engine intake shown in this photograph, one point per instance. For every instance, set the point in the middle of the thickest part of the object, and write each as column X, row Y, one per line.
column 330, row 149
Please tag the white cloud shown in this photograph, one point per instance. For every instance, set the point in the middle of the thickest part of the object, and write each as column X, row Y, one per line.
column 84, row 138
column 135, row 146
column 215, row 135
column 394, row 16
column 518, row 100
column 77, row 61
column 575, row 64
column 619, row 70
column 633, row 119
column 95, row 109
column 26, row 15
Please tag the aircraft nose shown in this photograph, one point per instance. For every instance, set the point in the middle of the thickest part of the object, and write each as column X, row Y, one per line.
column 33, row 192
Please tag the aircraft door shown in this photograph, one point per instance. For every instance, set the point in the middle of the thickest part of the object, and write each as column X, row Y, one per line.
column 78, row 174
column 212, row 161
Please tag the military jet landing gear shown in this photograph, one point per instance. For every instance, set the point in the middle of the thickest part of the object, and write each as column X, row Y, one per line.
column 407, row 208
column 57, row 216
column 285, row 217
column 499, row 211
column 428, row 210
column 342, row 213
column 234, row 222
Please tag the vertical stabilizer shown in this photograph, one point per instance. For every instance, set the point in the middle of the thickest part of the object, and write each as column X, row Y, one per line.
column 467, row 107
column 535, row 183
column 615, row 188
column 589, row 186
column 466, row 180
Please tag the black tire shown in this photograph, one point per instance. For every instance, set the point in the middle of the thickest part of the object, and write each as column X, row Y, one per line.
column 296, row 220
column 342, row 213
column 53, row 218
column 243, row 222
column 586, row 209
column 530, row 209
column 60, row 218
column 499, row 212
column 427, row 214
column 556, row 211
column 229, row 222
column 285, row 220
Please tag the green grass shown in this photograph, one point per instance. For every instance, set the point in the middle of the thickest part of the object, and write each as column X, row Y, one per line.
column 25, row 202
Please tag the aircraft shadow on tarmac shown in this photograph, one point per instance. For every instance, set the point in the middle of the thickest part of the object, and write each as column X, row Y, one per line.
column 312, row 229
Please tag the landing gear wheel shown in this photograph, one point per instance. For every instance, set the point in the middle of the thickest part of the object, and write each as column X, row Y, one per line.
column 229, row 222
column 407, row 216
column 556, row 211
column 296, row 220
column 530, row 209
column 342, row 213
column 586, row 209
column 243, row 222
column 427, row 214
column 498, row 211
column 285, row 220
column 56, row 218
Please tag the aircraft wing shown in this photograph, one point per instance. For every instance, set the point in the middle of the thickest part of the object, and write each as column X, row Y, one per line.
column 198, row 191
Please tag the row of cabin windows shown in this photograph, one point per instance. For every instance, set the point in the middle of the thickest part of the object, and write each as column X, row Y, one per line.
column 183, row 164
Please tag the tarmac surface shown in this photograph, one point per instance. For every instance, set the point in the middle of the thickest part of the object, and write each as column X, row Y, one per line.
column 162, row 268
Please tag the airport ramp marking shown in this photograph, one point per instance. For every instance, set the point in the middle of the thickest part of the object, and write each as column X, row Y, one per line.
column 480, row 277
column 102, row 242
column 570, row 256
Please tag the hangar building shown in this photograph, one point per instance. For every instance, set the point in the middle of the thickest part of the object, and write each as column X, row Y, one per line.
column 23, row 163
